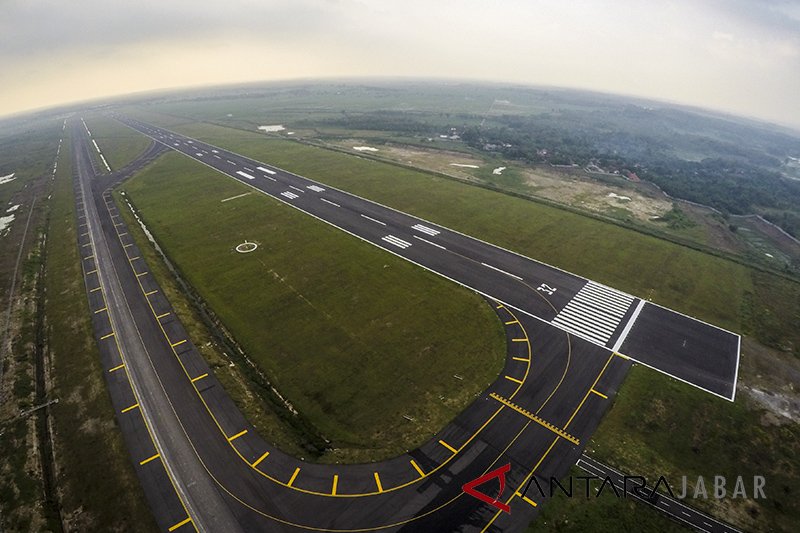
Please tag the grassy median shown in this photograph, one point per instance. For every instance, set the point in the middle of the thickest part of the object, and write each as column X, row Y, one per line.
column 363, row 344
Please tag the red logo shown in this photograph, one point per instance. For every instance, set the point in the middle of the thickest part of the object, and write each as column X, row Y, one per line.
column 500, row 474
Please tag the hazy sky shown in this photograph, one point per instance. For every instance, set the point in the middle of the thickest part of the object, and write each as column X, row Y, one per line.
column 741, row 56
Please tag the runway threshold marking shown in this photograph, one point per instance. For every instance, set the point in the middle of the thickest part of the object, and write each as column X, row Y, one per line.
column 151, row 458
column 233, row 438
column 443, row 443
column 378, row 481
column 545, row 424
column 294, row 476
column 180, row 524
column 258, row 461
column 417, row 468
column 335, row 484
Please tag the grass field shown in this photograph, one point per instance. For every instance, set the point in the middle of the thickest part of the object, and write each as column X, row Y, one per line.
column 599, row 514
column 98, row 487
column 355, row 338
column 643, row 265
column 683, row 432
column 120, row 144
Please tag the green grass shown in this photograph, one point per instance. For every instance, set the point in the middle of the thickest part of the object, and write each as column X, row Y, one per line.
column 355, row 338
column 659, row 426
column 259, row 411
column 98, row 486
column 120, row 144
column 599, row 514
column 672, row 275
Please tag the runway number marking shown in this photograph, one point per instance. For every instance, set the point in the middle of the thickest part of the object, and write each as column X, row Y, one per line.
column 547, row 289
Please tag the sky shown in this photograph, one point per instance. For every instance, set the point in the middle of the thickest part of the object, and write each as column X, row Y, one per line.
column 738, row 56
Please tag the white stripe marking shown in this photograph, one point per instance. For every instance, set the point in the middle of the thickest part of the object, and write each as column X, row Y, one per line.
column 628, row 326
column 372, row 219
column 429, row 242
column 329, row 202
column 245, row 175
column 425, row 229
column 268, row 171
column 502, row 271
column 400, row 243
column 315, row 188
column 296, row 188
column 235, row 197
column 290, row 195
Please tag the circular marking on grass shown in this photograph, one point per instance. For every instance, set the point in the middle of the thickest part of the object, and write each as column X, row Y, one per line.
column 246, row 247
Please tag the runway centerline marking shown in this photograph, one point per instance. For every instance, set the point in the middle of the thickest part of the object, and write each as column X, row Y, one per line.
column 502, row 271
column 373, row 219
column 429, row 242
column 334, row 204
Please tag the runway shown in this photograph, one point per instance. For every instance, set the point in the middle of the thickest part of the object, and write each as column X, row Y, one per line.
column 683, row 347
column 204, row 466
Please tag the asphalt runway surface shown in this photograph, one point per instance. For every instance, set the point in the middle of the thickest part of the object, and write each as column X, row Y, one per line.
column 203, row 466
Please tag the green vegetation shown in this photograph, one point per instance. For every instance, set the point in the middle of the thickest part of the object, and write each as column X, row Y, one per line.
column 659, row 426
column 263, row 410
column 120, row 144
column 98, row 487
column 355, row 338
column 599, row 514
column 622, row 258
column 27, row 148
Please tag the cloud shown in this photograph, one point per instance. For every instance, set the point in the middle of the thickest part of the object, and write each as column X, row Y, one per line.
column 736, row 55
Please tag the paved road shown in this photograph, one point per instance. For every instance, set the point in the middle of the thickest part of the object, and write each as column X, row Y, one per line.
column 682, row 347
column 674, row 508
column 536, row 416
column 170, row 450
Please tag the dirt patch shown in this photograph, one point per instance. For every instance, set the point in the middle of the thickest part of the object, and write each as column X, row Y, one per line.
column 595, row 196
